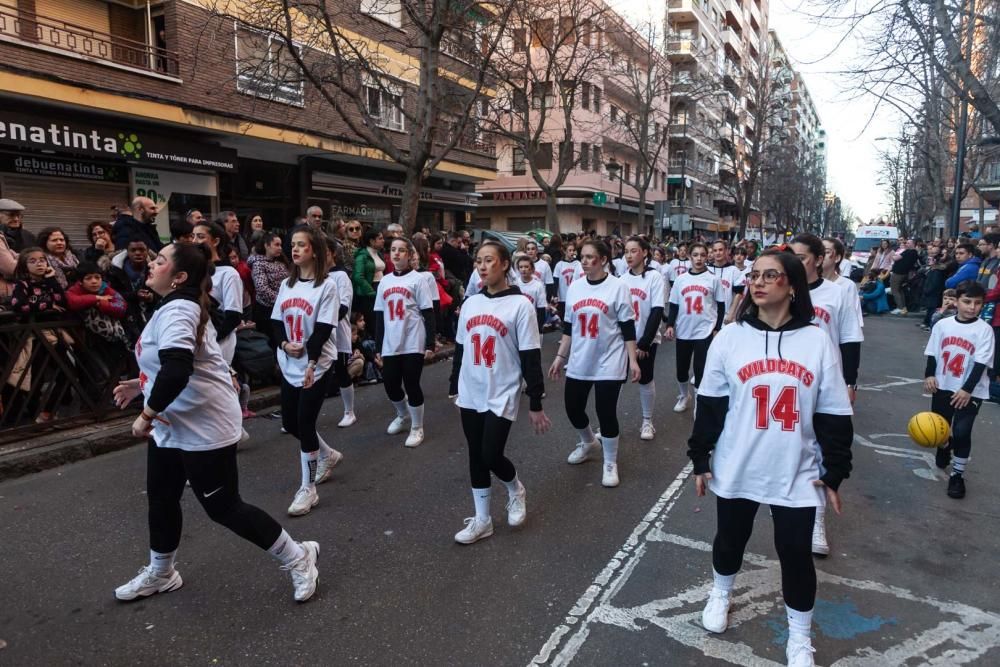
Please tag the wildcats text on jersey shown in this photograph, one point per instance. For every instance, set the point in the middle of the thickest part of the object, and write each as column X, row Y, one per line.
column 487, row 321
column 591, row 303
column 297, row 302
column 822, row 314
column 635, row 291
column 398, row 289
column 958, row 341
column 696, row 288
column 780, row 366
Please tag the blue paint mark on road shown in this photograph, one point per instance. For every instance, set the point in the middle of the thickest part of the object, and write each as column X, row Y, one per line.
column 837, row 620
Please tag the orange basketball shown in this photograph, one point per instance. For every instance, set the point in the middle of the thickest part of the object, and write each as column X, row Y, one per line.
column 929, row 429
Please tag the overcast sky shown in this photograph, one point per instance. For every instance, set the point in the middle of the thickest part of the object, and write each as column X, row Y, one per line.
column 851, row 168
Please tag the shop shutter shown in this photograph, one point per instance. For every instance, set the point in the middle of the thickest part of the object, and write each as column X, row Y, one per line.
column 64, row 203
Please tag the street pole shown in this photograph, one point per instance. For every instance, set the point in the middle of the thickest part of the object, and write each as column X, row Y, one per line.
column 963, row 128
column 619, row 204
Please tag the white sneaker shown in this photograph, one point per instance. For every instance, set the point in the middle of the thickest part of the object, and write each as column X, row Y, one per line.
column 348, row 420
column 325, row 466
column 244, row 436
column 415, row 439
column 819, row 544
column 583, row 451
column 517, row 511
column 715, row 616
column 799, row 652
column 397, row 425
column 647, row 431
column 610, row 477
column 306, row 498
column 304, row 572
column 475, row 530
column 147, row 582
column 682, row 403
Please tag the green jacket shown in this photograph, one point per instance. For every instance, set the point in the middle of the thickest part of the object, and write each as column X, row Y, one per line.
column 364, row 273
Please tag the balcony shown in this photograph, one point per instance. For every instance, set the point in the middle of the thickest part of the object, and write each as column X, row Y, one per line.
column 682, row 48
column 733, row 42
column 56, row 36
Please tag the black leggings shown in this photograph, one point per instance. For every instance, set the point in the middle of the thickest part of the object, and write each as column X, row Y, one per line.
column 343, row 378
column 686, row 349
column 646, row 365
column 961, row 421
column 300, row 410
column 793, row 528
column 605, row 400
column 487, row 436
column 403, row 370
column 215, row 482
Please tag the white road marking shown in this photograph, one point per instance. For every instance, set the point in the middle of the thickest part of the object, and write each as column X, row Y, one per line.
column 930, row 473
column 898, row 381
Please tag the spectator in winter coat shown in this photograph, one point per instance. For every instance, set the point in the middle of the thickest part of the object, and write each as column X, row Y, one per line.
column 988, row 249
column 934, row 274
column 8, row 263
column 102, row 245
column 969, row 261
column 268, row 267
column 127, row 276
column 36, row 290
column 91, row 291
column 873, row 298
column 60, row 254
column 141, row 224
column 12, row 226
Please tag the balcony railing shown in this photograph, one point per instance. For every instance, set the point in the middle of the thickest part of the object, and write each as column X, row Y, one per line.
column 48, row 33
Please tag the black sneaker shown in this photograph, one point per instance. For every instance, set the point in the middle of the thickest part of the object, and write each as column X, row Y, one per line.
column 942, row 457
column 956, row 487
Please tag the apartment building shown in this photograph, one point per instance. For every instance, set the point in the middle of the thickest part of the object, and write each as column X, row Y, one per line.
column 711, row 42
column 604, row 105
column 104, row 100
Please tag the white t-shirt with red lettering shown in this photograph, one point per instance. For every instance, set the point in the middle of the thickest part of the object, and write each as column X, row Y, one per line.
column 597, row 350
column 730, row 277
column 534, row 290
column 677, row 268
column 227, row 290
column 345, row 291
column 300, row 308
column 837, row 313
column 400, row 299
column 696, row 295
column 957, row 347
column 646, row 291
column 493, row 332
column 768, row 451
column 565, row 274
column 543, row 272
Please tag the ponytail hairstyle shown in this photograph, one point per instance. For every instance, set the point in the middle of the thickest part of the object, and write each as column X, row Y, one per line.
column 260, row 248
column 423, row 248
column 195, row 259
column 602, row 250
column 220, row 241
column 317, row 241
column 502, row 252
column 814, row 243
column 801, row 308
column 644, row 244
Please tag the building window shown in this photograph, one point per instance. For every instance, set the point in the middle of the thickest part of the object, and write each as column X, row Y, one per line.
column 518, row 168
column 568, row 89
column 541, row 92
column 566, row 155
column 585, row 94
column 520, row 40
column 265, row 68
column 542, row 32
column 543, row 158
column 585, row 157
column 385, row 105
column 387, row 11
column 614, row 114
column 598, row 165
column 628, row 173
column 597, row 99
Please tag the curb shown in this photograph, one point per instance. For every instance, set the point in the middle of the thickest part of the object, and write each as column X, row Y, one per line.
column 53, row 449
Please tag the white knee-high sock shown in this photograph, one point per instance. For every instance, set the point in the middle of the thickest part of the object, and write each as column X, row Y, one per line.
column 799, row 622
column 416, row 416
column 308, row 461
column 682, row 388
column 610, row 446
column 400, row 408
column 285, row 550
column 647, row 396
column 347, row 395
column 161, row 563
column 722, row 583
column 820, row 514
column 513, row 486
column 325, row 450
column 586, row 434
column 481, row 497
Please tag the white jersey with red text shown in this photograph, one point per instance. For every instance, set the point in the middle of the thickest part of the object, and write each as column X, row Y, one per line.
column 400, row 299
column 731, row 278
column 566, row 273
column 768, row 451
column 645, row 292
column 852, row 288
column 534, row 290
column 597, row 351
column 696, row 295
column 206, row 414
column 345, row 290
column 621, row 266
column 430, row 284
column 227, row 290
column 957, row 347
column 845, row 267
column 543, row 272
column 677, row 268
column 300, row 308
column 493, row 332
column 475, row 285
column 837, row 313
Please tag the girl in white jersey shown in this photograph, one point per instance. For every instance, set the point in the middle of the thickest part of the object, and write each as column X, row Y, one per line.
column 774, row 409
column 304, row 316
column 833, row 258
column 345, row 291
column 566, row 271
column 837, row 313
column 532, row 288
column 192, row 418
column 542, row 270
column 497, row 345
column 404, row 338
column 646, row 291
column 227, row 287
column 598, row 351
column 696, row 312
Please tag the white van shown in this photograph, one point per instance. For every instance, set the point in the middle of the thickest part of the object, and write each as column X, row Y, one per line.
column 870, row 236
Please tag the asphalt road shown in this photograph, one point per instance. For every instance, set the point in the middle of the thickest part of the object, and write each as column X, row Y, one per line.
column 595, row 577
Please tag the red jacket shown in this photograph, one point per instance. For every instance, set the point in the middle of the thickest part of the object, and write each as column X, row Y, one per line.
column 77, row 299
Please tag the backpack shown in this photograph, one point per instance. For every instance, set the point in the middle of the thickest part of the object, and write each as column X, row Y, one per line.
column 254, row 357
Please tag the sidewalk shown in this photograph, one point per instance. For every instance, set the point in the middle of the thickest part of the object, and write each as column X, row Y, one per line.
column 56, row 448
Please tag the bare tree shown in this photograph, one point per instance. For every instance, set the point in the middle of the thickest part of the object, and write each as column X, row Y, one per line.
column 549, row 67
column 410, row 94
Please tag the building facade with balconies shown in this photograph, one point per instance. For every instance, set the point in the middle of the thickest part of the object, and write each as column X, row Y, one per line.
column 106, row 100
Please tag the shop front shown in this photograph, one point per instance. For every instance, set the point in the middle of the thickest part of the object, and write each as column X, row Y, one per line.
column 524, row 210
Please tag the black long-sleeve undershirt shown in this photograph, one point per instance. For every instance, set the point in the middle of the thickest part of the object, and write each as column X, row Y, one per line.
column 320, row 335
column 176, row 368
column 230, row 320
column 540, row 318
column 672, row 314
column 850, row 359
column 720, row 314
column 652, row 326
column 628, row 329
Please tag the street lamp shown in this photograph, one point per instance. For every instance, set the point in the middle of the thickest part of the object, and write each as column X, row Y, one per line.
column 613, row 169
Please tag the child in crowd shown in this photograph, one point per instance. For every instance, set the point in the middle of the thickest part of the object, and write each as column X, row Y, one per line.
column 365, row 347
column 101, row 307
column 873, row 296
column 948, row 306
